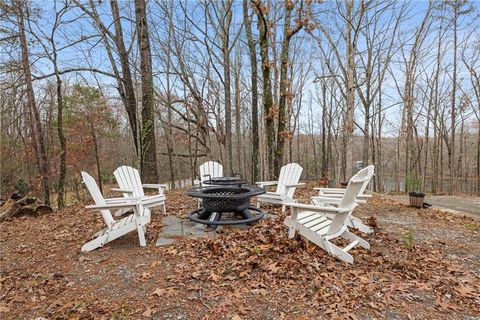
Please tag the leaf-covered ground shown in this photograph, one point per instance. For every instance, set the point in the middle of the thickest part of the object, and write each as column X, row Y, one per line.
column 423, row 264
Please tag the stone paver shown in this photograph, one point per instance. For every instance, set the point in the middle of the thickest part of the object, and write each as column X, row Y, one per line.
column 176, row 227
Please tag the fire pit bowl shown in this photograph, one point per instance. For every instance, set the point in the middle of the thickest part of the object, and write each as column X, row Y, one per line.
column 226, row 181
column 218, row 200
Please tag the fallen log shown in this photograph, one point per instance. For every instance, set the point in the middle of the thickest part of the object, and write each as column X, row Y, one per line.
column 26, row 206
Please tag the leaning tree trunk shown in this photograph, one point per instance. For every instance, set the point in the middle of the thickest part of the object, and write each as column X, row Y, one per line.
column 37, row 130
column 126, row 83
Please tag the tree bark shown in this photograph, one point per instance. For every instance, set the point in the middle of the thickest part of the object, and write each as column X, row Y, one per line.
column 61, row 137
column 268, row 110
column 148, row 159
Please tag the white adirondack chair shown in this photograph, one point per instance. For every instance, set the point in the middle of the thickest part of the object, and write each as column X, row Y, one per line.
column 286, row 185
column 333, row 197
column 116, row 229
column 130, row 184
column 321, row 225
column 338, row 192
column 208, row 170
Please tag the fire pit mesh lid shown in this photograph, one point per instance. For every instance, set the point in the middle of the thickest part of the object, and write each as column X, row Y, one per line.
column 227, row 191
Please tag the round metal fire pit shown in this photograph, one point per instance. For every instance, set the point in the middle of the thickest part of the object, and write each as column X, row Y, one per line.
column 226, row 181
column 218, row 200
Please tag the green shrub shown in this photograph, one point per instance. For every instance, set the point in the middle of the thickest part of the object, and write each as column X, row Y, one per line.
column 412, row 182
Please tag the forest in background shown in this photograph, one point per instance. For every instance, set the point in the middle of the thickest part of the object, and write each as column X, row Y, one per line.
column 167, row 85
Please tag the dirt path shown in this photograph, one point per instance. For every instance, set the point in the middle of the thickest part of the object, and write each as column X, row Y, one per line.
column 454, row 204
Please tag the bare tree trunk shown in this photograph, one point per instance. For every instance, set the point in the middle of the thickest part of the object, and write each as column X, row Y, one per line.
column 477, row 173
column 350, row 99
column 459, row 169
column 269, row 114
column 254, row 73
column 226, row 74
column 148, row 163
column 324, row 169
column 238, row 117
column 451, row 145
column 379, row 166
column 427, row 140
column 436, row 139
column 169, row 130
column 97, row 155
column 61, row 137
column 288, row 33
column 37, row 130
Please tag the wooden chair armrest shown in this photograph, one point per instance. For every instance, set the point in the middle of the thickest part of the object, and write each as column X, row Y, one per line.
column 330, row 190
column 154, row 186
column 365, row 195
column 122, row 190
column 319, row 209
column 300, row 184
column 266, row 183
column 328, row 199
column 112, row 205
column 122, row 200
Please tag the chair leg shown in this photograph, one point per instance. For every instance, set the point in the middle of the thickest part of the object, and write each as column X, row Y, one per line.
column 339, row 253
column 353, row 237
column 291, row 227
column 291, row 232
column 358, row 224
column 283, row 208
column 98, row 242
column 164, row 209
column 139, row 222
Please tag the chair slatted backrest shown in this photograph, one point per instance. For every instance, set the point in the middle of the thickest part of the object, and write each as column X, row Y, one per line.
column 128, row 178
column 370, row 172
column 289, row 174
column 97, row 196
column 210, row 169
column 349, row 198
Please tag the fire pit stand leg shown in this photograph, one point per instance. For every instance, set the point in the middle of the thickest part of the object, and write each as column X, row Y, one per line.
column 214, row 216
column 203, row 214
column 245, row 214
